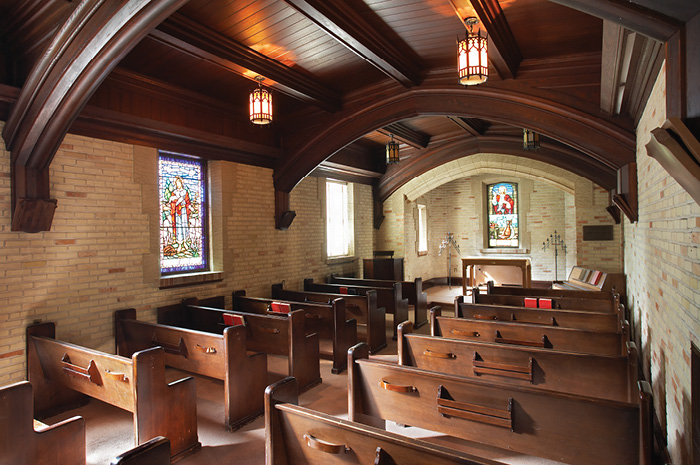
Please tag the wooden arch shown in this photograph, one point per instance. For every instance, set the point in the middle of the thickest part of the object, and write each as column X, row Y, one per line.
column 608, row 143
column 555, row 154
column 97, row 35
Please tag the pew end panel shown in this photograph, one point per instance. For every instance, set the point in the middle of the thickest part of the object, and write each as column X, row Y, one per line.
column 164, row 409
column 245, row 379
column 283, row 391
column 50, row 396
column 435, row 312
column 155, row 451
column 61, row 443
column 304, row 358
column 356, row 411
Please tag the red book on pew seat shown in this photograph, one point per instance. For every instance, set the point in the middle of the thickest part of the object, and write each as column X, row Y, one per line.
column 233, row 320
column 279, row 307
column 343, row 290
column 545, row 303
column 530, row 302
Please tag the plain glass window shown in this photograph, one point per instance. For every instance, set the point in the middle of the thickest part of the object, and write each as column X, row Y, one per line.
column 422, row 229
column 339, row 228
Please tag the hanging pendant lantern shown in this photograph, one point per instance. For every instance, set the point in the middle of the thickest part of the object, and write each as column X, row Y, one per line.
column 473, row 60
column 260, row 104
column 392, row 152
column 531, row 140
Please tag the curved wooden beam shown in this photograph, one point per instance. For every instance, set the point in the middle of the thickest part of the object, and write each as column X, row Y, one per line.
column 81, row 54
column 607, row 141
column 554, row 154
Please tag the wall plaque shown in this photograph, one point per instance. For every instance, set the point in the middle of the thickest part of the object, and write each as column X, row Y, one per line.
column 598, row 233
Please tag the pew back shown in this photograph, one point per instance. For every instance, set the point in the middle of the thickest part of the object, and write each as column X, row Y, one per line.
column 412, row 290
column 608, row 322
column 546, row 337
column 491, row 288
column 300, row 436
column 599, row 376
column 218, row 356
column 573, row 429
column 362, row 308
column 56, row 369
column 567, row 303
column 328, row 320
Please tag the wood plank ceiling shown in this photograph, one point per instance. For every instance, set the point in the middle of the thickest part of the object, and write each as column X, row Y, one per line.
column 346, row 74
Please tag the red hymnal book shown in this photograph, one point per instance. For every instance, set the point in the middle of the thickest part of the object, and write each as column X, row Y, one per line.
column 545, row 303
column 530, row 302
column 343, row 290
column 280, row 307
column 233, row 320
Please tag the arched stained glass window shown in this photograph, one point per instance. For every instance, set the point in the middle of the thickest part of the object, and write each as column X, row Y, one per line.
column 183, row 239
column 502, row 205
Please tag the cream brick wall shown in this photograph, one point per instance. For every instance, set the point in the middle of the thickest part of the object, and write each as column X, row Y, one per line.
column 97, row 257
column 662, row 265
column 551, row 199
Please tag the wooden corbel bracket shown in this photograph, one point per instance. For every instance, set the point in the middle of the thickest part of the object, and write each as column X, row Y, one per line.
column 283, row 215
column 676, row 149
column 626, row 197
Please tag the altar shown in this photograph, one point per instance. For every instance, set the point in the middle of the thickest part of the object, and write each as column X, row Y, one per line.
column 520, row 268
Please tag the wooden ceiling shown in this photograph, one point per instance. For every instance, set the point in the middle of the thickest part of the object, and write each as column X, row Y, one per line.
column 345, row 75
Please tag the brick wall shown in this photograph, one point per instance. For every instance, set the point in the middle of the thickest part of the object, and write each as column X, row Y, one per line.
column 551, row 199
column 662, row 264
column 100, row 255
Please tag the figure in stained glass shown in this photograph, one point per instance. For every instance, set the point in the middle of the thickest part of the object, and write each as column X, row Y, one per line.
column 503, row 214
column 182, row 223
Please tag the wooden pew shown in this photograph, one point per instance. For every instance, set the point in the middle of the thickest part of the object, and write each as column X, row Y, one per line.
column 567, row 303
column 328, row 320
column 388, row 297
column 23, row 444
column 563, row 318
column 61, row 372
column 371, row 320
column 546, row 337
column 600, row 376
column 412, row 290
column 153, row 452
column 280, row 334
column 572, row 429
column 218, row 356
column 492, row 289
column 300, row 436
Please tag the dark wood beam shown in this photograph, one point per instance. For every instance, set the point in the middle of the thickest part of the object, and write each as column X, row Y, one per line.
column 195, row 39
column 408, row 136
column 629, row 15
column 81, row 54
column 338, row 18
column 504, row 53
column 472, row 126
column 552, row 153
column 609, row 141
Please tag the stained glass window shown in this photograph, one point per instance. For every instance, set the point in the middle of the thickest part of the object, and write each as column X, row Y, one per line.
column 502, row 205
column 183, row 239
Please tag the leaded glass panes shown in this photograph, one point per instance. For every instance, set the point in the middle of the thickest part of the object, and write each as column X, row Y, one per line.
column 182, row 214
column 502, row 202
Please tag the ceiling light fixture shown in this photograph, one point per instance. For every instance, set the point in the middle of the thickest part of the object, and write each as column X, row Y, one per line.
column 392, row 152
column 260, row 104
column 473, row 58
column 531, row 140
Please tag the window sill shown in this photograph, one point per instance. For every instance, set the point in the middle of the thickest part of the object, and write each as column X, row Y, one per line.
column 422, row 254
column 505, row 251
column 193, row 279
column 339, row 260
